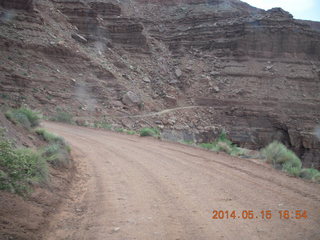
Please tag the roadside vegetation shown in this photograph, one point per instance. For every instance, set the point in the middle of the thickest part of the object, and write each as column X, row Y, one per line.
column 223, row 144
column 21, row 168
column 62, row 116
column 152, row 132
column 284, row 159
column 57, row 152
column 275, row 153
column 24, row 116
column 103, row 124
column 108, row 126
column 187, row 142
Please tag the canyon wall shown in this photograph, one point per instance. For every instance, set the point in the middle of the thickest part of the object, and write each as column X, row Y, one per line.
column 221, row 64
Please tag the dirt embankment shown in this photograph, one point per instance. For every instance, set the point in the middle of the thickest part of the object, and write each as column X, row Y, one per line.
column 26, row 218
column 139, row 188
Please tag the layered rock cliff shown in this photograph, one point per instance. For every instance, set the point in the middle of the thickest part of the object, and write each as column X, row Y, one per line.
column 219, row 64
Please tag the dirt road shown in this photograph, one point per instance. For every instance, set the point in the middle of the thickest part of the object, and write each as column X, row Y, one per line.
column 128, row 187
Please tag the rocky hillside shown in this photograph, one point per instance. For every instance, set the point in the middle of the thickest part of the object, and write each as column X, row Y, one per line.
column 218, row 64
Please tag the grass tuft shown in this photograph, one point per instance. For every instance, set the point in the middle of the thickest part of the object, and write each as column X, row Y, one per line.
column 282, row 158
column 311, row 174
column 62, row 116
column 49, row 137
column 152, row 132
column 120, row 130
column 130, row 132
column 19, row 168
column 223, row 144
column 208, row 146
column 24, row 116
column 57, row 153
column 103, row 125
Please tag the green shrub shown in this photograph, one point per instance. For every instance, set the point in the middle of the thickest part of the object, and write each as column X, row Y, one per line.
column 51, row 149
column 278, row 154
column 224, row 147
column 310, row 173
column 153, row 132
column 240, row 152
column 24, row 116
column 316, row 178
column 120, row 130
column 223, row 144
column 20, row 167
column 57, row 155
column 34, row 165
column 223, row 138
column 49, row 137
column 291, row 170
column 282, row 158
column 131, row 132
column 104, row 125
column 208, row 146
column 62, row 116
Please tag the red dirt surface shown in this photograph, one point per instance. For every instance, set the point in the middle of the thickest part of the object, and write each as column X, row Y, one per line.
column 130, row 187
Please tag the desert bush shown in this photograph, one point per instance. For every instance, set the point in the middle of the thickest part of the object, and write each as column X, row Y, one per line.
column 223, row 138
column 282, row 158
column 316, row 178
column 24, row 116
column 130, row 132
column 34, row 165
column 240, row 152
column 223, row 144
column 62, row 116
column 49, row 137
column 103, row 125
column 224, row 147
column 153, row 132
column 291, row 170
column 20, row 167
column 120, row 130
column 57, row 153
column 208, row 146
column 311, row 174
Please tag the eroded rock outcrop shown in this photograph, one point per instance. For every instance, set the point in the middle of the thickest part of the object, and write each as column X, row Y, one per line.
column 100, row 21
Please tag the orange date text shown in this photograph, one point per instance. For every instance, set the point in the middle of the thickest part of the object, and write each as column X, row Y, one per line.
column 263, row 214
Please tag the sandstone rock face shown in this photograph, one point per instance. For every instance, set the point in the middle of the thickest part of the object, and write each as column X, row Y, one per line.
column 271, row 34
column 100, row 21
column 105, row 9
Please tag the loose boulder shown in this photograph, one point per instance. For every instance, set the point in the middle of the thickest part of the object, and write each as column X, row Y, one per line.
column 131, row 98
